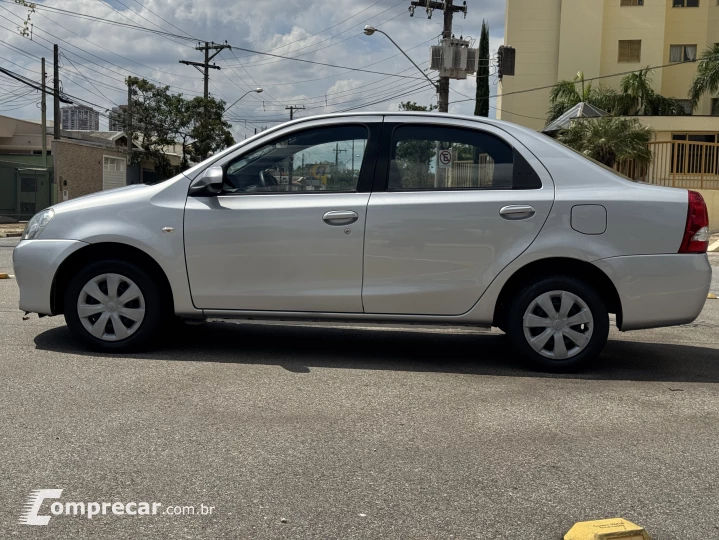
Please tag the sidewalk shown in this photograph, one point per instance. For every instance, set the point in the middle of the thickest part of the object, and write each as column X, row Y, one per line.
column 9, row 230
column 714, row 243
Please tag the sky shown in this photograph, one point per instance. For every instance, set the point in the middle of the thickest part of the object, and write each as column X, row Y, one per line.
column 96, row 56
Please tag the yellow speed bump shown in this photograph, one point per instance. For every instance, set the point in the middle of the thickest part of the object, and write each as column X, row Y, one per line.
column 606, row 529
column 712, row 296
column 4, row 276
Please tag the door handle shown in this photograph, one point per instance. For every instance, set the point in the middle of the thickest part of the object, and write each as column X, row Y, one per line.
column 340, row 217
column 517, row 211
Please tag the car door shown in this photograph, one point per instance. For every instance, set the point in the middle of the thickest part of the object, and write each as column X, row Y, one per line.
column 454, row 202
column 286, row 232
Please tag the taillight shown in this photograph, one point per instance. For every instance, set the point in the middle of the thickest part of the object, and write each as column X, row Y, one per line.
column 696, row 232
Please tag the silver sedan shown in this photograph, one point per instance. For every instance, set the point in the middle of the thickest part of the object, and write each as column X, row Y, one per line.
column 392, row 218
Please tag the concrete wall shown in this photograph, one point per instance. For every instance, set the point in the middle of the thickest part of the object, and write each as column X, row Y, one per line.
column 80, row 165
column 531, row 27
column 580, row 44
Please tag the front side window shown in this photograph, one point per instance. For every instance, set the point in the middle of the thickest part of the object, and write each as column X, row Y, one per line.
column 682, row 53
column 321, row 159
column 440, row 158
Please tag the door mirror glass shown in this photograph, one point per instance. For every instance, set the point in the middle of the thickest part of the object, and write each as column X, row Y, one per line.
column 210, row 182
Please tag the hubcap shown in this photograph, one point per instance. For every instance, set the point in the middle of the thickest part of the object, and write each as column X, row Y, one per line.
column 558, row 325
column 111, row 307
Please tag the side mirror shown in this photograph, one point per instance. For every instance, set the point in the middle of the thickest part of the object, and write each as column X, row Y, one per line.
column 210, row 182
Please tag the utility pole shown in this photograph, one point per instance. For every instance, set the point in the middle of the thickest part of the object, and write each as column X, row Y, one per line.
column 204, row 67
column 43, row 111
column 338, row 151
column 128, row 123
column 449, row 11
column 292, row 109
column 56, row 92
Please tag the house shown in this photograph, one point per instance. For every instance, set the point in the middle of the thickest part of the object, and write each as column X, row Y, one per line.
column 77, row 164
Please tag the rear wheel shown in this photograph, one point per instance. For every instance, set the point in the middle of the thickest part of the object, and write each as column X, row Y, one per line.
column 558, row 323
column 115, row 305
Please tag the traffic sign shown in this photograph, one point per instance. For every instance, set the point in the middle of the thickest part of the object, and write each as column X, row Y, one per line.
column 444, row 159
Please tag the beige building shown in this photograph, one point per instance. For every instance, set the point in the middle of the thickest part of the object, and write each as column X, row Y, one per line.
column 555, row 39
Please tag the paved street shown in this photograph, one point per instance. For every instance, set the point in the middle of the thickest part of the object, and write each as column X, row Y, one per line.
column 358, row 433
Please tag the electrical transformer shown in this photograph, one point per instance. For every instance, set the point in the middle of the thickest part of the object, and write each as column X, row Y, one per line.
column 454, row 58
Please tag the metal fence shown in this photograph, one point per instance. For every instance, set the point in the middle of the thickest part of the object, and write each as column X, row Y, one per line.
column 471, row 174
column 682, row 164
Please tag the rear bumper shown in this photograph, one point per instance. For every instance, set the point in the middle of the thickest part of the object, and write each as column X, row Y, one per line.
column 36, row 263
column 659, row 290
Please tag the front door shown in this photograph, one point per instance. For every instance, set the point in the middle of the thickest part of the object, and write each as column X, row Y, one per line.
column 458, row 204
column 286, row 233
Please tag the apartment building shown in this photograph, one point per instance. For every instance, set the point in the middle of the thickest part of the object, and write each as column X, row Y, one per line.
column 115, row 118
column 555, row 39
column 78, row 118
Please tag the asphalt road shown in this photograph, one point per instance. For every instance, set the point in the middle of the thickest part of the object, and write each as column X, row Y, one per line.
column 358, row 433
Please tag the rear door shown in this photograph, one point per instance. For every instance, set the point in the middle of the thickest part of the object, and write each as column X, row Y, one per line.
column 454, row 202
column 286, row 233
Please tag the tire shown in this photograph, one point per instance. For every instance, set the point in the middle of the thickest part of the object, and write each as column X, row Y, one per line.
column 132, row 321
column 580, row 344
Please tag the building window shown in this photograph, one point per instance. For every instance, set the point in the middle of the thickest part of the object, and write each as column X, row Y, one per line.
column 630, row 50
column 686, row 105
column 682, row 53
column 634, row 2
column 715, row 107
column 685, row 3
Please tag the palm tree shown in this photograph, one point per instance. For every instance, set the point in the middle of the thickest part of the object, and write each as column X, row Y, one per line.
column 566, row 94
column 609, row 140
column 634, row 97
column 637, row 97
column 706, row 79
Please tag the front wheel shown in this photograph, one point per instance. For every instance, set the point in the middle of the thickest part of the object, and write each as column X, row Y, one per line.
column 558, row 323
column 114, row 305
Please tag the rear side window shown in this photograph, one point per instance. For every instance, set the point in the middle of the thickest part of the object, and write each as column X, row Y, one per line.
column 431, row 158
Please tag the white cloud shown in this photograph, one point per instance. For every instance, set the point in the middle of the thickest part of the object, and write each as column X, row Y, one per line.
column 106, row 54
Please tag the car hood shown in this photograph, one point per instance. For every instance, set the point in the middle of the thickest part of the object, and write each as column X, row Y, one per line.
column 133, row 193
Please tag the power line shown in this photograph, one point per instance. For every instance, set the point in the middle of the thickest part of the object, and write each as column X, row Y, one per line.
column 651, row 68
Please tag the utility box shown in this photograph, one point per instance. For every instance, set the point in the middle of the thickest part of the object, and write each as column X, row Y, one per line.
column 454, row 58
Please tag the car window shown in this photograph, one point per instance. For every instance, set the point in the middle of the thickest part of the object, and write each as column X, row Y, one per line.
column 440, row 158
column 320, row 159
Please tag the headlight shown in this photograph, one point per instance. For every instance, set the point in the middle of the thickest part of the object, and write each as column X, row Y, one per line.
column 36, row 225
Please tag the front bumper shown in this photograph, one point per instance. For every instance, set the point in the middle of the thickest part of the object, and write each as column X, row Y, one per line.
column 36, row 263
column 659, row 290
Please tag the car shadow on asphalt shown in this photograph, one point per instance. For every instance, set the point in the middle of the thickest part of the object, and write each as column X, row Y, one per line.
column 300, row 348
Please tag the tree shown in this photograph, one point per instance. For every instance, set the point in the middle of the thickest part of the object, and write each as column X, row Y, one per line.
column 481, row 104
column 634, row 97
column 609, row 140
column 160, row 120
column 412, row 106
column 413, row 157
column 566, row 94
column 637, row 97
column 706, row 79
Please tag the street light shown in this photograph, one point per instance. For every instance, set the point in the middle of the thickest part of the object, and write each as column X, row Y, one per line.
column 257, row 90
column 369, row 30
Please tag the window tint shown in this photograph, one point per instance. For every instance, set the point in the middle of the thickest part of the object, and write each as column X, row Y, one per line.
column 438, row 158
column 322, row 159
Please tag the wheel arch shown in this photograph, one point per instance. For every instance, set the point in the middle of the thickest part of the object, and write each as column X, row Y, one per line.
column 99, row 251
column 558, row 266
